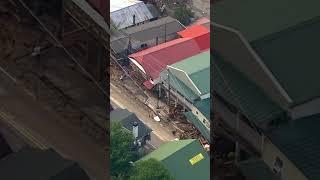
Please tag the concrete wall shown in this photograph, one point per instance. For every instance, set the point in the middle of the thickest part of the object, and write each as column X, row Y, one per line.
column 289, row 170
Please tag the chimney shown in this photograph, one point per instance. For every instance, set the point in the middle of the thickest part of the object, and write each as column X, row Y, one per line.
column 135, row 129
column 134, row 19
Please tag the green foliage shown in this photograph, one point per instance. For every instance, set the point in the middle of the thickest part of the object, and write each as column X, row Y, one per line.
column 121, row 150
column 119, row 177
column 183, row 14
column 150, row 169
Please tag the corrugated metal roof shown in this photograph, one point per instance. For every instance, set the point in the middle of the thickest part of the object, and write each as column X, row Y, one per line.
column 257, row 19
column 197, row 69
column 199, row 33
column 176, row 155
column 155, row 59
column 116, row 5
column 194, row 31
column 299, row 141
column 166, row 27
column 122, row 14
column 237, row 90
column 284, row 55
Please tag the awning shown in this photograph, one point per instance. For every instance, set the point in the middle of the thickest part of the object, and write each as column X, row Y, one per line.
column 148, row 84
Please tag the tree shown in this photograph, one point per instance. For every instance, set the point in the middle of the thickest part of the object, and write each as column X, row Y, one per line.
column 183, row 14
column 150, row 169
column 121, row 150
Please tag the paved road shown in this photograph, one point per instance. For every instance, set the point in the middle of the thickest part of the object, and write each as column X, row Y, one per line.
column 41, row 127
column 159, row 135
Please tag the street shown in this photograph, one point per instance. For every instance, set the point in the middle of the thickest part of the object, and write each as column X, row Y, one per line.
column 159, row 134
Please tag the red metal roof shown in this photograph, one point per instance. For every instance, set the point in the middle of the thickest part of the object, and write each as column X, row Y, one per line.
column 194, row 31
column 156, row 58
column 199, row 33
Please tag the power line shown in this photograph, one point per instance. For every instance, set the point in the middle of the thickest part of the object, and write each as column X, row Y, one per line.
column 61, row 45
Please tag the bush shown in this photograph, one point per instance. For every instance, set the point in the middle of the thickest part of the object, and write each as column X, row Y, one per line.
column 183, row 14
column 121, row 150
column 150, row 169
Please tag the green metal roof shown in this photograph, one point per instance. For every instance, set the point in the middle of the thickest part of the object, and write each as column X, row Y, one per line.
column 283, row 33
column 195, row 63
column 178, row 85
column 300, row 143
column 198, row 69
column 254, row 169
column 257, row 19
column 175, row 155
column 196, row 122
column 293, row 58
column 236, row 89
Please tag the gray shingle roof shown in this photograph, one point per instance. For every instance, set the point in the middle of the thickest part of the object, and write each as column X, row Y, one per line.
column 127, row 119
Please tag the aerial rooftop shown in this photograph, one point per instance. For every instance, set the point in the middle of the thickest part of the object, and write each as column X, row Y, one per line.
column 185, row 159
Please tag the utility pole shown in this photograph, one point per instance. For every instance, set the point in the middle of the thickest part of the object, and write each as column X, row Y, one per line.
column 176, row 101
column 159, row 91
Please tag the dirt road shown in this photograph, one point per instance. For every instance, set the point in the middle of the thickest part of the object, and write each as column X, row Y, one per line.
column 124, row 100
